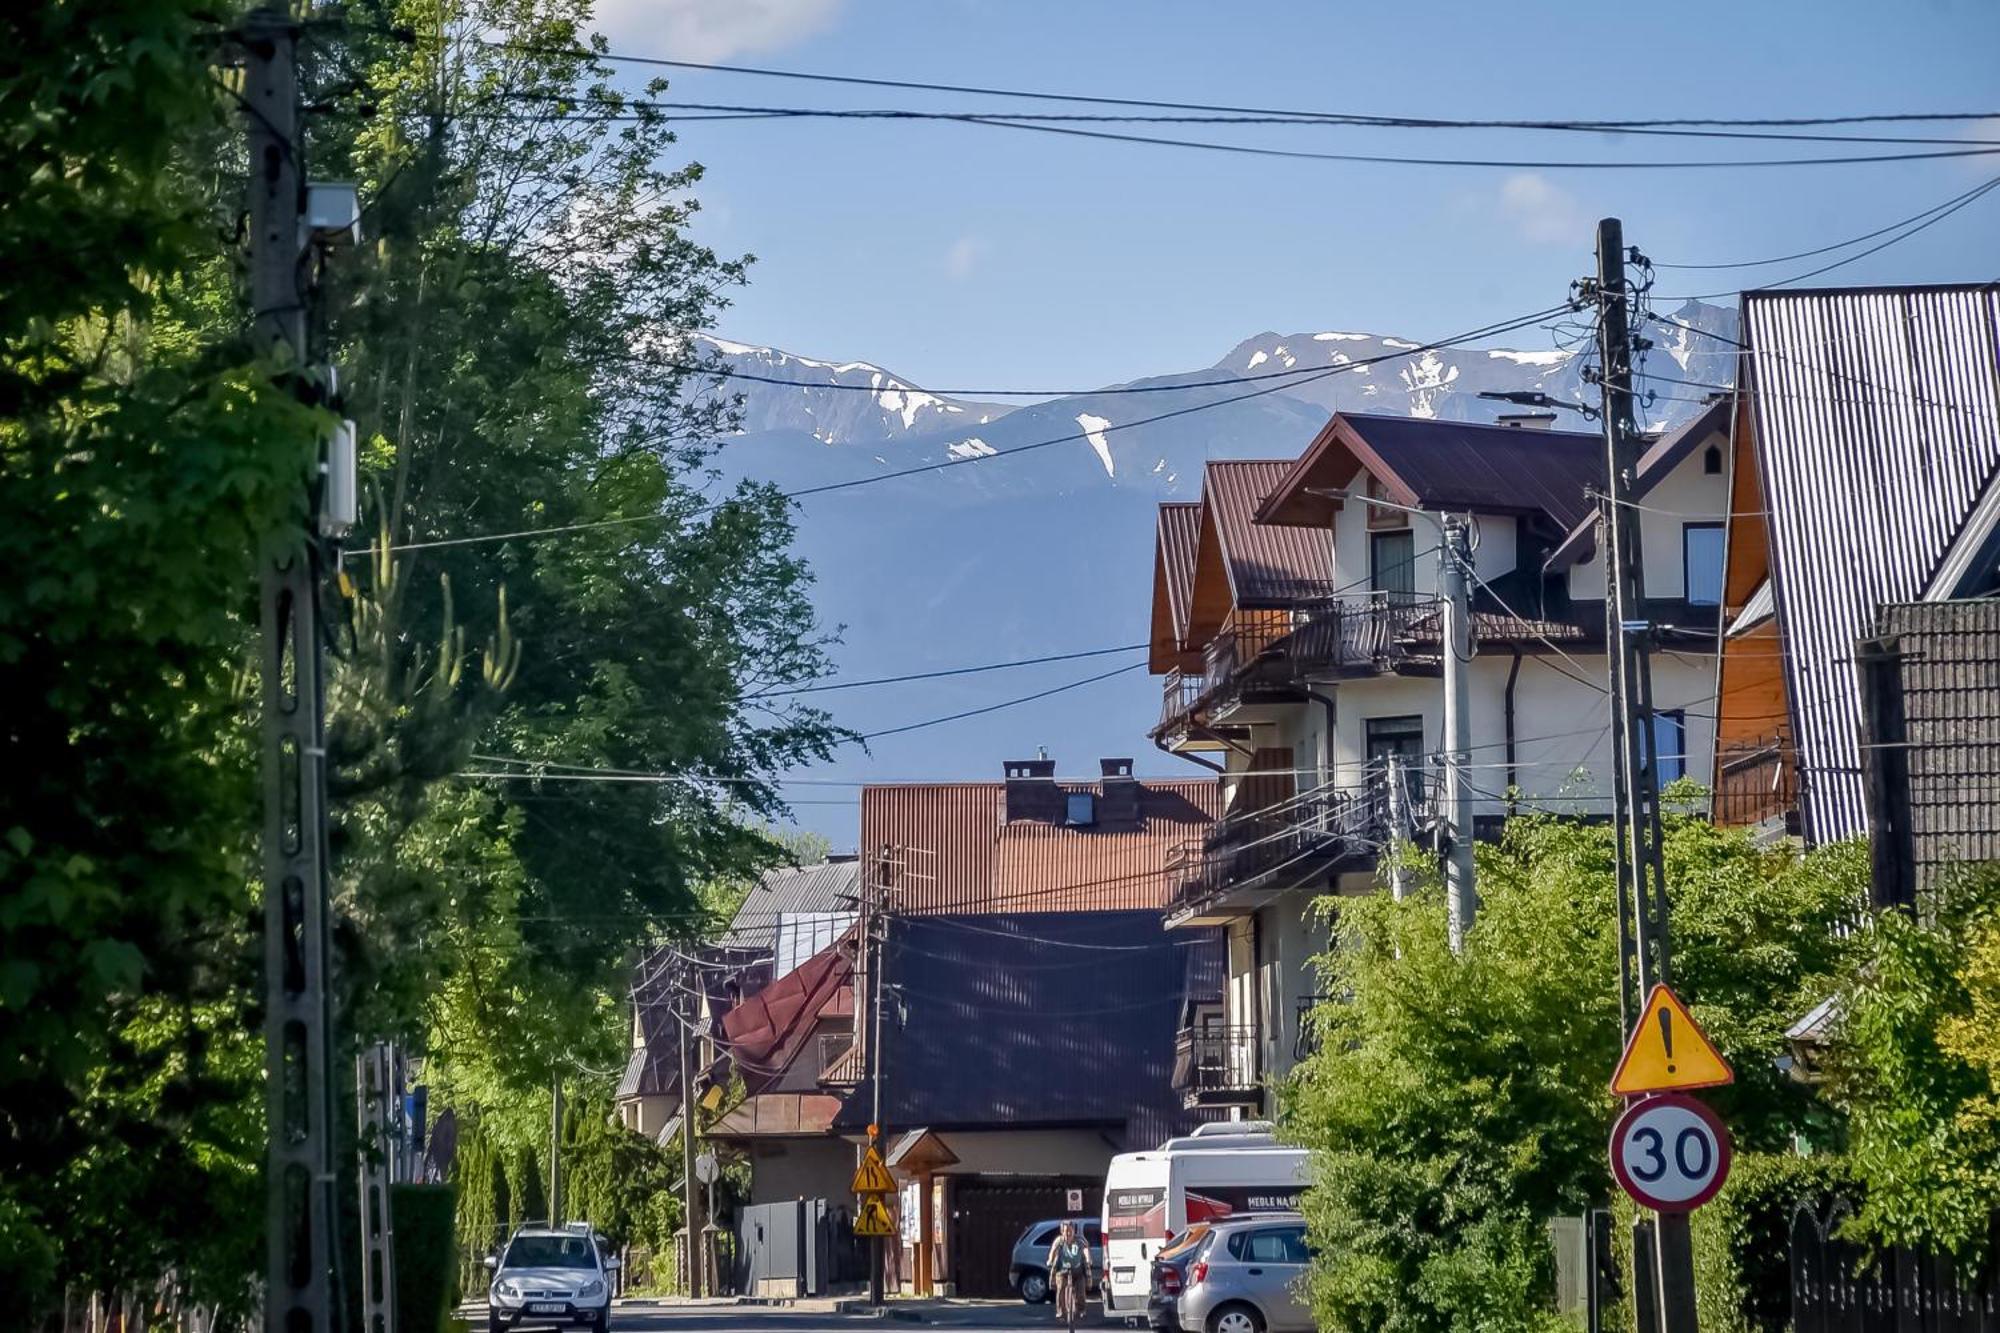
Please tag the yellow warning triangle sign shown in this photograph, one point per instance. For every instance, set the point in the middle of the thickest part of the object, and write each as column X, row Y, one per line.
column 1668, row 1052
column 871, row 1177
column 874, row 1219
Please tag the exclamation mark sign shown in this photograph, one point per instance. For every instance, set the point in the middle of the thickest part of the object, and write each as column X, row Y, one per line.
column 1667, row 1035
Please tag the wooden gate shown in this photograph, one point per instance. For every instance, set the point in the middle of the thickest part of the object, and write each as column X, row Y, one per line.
column 989, row 1213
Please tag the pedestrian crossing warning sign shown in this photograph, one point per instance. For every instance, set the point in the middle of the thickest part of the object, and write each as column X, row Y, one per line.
column 1668, row 1052
column 874, row 1219
column 871, row 1177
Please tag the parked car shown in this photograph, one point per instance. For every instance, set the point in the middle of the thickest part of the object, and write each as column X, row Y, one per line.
column 550, row 1277
column 1028, row 1272
column 1169, row 1276
column 1246, row 1278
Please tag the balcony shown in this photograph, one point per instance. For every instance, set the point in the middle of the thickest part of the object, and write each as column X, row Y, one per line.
column 1217, row 1066
column 1757, row 784
column 1245, row 857
column 1306, row 1044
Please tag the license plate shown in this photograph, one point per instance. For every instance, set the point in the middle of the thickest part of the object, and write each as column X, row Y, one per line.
column 547, row 1307
column 1122, row 1274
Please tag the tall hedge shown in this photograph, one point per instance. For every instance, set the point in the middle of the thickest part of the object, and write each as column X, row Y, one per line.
column 425, row 1218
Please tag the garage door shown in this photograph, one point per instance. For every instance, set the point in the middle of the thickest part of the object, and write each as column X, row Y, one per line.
column 989, row 1213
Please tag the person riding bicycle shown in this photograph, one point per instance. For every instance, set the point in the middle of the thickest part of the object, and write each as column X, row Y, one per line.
column 1069, row 1270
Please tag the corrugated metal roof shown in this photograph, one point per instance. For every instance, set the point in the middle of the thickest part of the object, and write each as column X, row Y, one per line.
column 962, row 855
column 1442, row 465
column 1267, row 565
column 1176, row 541
column 815, row 890
column 1877, row 427
column 1063, row 1018
column 767, row 1031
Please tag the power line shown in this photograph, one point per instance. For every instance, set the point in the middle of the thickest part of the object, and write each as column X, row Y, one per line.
column 1505, row 326
column 1355, row 118
column 953, row 671
column 1974, row 192
column 1005, row 703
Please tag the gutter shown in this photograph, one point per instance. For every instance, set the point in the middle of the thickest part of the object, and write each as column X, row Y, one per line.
column 1513, row 769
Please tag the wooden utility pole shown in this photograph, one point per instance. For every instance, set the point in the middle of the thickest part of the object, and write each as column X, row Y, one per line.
column 1642, row 879
column 872, row 941
column 299, row 1175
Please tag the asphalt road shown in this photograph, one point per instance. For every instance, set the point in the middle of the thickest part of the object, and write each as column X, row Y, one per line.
column 996, row 1317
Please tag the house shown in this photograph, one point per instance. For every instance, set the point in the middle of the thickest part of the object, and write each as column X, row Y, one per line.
column 792, row 913
column 1860, row 676
column 1020, row 1051
column 1298, row 639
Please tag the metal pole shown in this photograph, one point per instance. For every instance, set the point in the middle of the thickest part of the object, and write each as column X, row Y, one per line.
column 374, row 1080
column 299, row 1177
column 1638, row 823
column 555, row 1150
column 1398, row 826
column 1462, row 897
column 692, row 1209
column 877, row 929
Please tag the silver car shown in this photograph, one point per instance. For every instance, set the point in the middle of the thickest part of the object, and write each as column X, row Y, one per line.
column 1249, row 1278
column 551, row 1277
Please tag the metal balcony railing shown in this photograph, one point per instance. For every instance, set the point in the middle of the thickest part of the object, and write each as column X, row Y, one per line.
column 1756, row 781
column 1306, row 1044
column 1290, row 839
column 1215, row 1064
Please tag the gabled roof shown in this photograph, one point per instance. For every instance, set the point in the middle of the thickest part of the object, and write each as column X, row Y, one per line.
column 1658, row 461
column 1248, row 564
column 1177, row 533
column 1015, row 1020
column 964, row 855
column 765, row 1032
column 824, row 889
column 1877, row 430
column 1431, row 464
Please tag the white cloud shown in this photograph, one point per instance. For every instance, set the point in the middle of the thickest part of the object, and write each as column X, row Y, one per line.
column 964, row 256
column 1543, row 212
column 1981, row 164
column 712, row 29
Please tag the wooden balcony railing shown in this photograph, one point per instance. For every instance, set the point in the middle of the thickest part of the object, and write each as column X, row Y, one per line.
column 1756, row 781
column 1215, row 1065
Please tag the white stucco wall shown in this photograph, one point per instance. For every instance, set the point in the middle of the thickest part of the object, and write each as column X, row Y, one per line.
column 1685, row 495
column 1494, row 556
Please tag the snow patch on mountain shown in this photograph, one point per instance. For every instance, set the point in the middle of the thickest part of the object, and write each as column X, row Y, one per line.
column 1093, row 430
column 970, row 447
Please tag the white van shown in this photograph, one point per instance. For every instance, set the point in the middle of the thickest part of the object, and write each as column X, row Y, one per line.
column 1221, row 1170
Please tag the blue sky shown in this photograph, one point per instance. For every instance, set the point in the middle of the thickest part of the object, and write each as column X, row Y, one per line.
column 962, row 255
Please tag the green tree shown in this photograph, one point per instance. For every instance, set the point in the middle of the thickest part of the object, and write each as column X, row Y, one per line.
column 1459, row 1101
column 146, row 456
column 1914, row 1063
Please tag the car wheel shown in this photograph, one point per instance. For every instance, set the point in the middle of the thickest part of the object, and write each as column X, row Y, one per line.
column 1235, row 1318
column 1034, row 1287
column 602, row 1322
column 493, row 1324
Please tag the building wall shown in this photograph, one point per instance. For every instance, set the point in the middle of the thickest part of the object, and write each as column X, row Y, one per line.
column 1034, row 1152
column 1290, row 939
column 646, row 1115
column 1686, row 495
column 806, row 1167
column 1495, row 556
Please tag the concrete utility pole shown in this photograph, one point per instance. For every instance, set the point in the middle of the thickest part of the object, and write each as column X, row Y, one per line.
column 1642, row 883
column 376, row 1086
column 1455, row 639
column 691, row 1211
column 298, row 1039
column 873, row 941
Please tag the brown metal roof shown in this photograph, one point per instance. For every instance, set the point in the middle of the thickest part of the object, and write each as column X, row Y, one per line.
column 1267, row 565
column 957, row 852
column 766, row 1032
column 1179, row 533
column 771, row 1114
column 1441, row 465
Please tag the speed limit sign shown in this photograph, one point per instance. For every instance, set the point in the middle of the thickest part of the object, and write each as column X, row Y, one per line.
column 1670, row 1152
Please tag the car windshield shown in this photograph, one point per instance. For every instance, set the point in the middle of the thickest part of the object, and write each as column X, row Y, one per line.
column 550, row 1252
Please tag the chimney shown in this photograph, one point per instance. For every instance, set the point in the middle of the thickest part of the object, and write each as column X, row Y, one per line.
column 1527, row 420
column 1120, row 802
column 1031, row 790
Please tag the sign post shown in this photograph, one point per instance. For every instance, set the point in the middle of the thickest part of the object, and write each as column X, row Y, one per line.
column 872, row 1185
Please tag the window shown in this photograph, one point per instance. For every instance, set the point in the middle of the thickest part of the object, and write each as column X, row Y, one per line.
column 550, row 1252
column 1711, row 460
column 1701, row 563
column 1047, row 1237
column 1275, row 1245
column 1081, row 808
column 1392, row 562
column 1403, row 737
column 1670, row 745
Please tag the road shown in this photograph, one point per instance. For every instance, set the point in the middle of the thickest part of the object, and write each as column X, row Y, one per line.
column 974, row 1317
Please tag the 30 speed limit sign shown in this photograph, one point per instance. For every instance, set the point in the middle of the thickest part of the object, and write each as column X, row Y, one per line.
column 1670, row 1152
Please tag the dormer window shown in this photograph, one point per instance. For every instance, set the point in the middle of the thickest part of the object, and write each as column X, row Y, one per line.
column 1080, row 809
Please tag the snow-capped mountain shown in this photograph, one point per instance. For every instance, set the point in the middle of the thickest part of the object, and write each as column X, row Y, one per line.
column 890, row 407
column 976, row 556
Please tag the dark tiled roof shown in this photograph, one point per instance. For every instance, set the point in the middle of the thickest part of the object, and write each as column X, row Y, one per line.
column 1442, row 465
column 1063, row 1018
column 963, row 855
column 1266, row 565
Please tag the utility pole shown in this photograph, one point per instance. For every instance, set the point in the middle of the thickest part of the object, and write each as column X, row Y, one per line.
column 375, row 1088
column 1454, row 595
column 873, row 940
column 691, row 1211
column 555, row 1149
column 1638, row 837
column 1455, row 639
column 298, row 1039
column 1398, row 825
